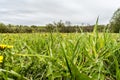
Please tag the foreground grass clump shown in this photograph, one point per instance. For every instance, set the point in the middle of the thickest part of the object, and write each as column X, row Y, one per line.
column 56, row 56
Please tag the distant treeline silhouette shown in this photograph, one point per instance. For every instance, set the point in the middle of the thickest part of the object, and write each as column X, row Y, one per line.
column 54, row 27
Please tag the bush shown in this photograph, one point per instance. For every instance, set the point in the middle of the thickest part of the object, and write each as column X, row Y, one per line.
column 115, row 21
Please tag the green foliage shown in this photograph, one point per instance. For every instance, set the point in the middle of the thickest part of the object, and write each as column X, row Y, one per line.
column 73, row 70
column 52, row 27
column 56, row 56
column 55, row 27
column 115, row 21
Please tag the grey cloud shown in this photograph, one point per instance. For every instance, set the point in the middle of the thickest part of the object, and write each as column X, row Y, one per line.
column 44, row 11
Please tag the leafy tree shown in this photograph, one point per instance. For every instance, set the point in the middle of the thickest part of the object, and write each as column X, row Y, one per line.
column 59, row 24
column 55, row 26
column 115, row 21
column 50, row 27
column 3, row 28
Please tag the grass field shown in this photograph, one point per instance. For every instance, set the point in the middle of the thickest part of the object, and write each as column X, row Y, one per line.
column 57, row 56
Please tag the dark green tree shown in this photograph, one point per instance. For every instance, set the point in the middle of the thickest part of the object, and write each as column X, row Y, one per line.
column 115, row 21
column 50, row 27
column 3, row 28
column 59, row 26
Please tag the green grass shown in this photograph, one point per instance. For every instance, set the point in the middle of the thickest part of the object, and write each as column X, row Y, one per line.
column 57, row 56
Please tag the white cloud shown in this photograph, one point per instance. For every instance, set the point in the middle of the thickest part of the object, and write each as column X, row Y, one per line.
column 41, row 12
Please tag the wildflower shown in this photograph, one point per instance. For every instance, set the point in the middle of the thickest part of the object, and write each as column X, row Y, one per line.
column 2, row 47
column 1, row 59
column 9, row 47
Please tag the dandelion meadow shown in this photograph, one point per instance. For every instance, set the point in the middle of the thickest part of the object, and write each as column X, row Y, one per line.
column 60, row 56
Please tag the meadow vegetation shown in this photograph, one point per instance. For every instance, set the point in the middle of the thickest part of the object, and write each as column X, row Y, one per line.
column 60, row 56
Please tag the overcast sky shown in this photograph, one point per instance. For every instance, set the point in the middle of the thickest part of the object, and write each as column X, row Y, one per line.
column 42, row 12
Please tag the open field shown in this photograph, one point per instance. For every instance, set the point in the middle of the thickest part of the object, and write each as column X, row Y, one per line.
column 47, row 56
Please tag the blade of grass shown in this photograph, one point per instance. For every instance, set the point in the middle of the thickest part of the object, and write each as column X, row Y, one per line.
column 117, row 68
column 75, row 74
column 14, row 74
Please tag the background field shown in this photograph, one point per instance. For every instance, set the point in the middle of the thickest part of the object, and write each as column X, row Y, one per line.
column 49, row 56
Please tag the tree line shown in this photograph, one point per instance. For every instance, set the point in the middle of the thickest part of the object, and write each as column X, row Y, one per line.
column 51, row 27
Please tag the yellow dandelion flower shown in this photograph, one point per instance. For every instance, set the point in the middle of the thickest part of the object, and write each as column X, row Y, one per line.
column 9, row 47
column 2, row 47
column 1, row 59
